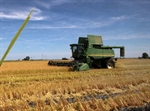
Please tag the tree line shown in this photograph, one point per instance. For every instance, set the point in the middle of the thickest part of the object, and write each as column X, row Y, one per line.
column 144, row 56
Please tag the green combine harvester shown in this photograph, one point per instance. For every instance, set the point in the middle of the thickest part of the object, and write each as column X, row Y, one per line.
column 91, row 53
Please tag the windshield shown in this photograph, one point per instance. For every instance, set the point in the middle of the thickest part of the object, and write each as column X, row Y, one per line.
column 77, row 51
column 74, row 49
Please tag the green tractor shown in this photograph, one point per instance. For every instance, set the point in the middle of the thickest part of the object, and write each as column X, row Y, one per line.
column 90, row 53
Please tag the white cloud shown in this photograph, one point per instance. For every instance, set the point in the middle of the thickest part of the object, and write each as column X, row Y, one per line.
column 58, row 2
column 21, row 15
column 82, row 23
column 11, row 16
column 109, row 21
column 44, row 4
column 57, row 39
column 54, row 27
column 51, row 3
column 127, row 36
column 119, row 18
column 135, row 36
column 41, row 40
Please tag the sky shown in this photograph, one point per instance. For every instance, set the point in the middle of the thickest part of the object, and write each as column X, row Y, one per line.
column 55, row 24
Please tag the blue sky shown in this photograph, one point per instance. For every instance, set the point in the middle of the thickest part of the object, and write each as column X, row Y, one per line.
column 55, row 24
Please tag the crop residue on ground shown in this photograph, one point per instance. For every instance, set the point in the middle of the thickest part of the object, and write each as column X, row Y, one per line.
column 33, row 85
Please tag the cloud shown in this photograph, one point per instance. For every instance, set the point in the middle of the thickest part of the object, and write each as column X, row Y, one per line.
column 37, row 15
column 44, row 4
column 119, row 18
column 57, row 39
column 58, row 2
column 111, row 20
column 21, row 15
column 51, row 3
column 41, row 40
column 82, row 23
column 54, row 27
column 127, row 36
column 135, row 36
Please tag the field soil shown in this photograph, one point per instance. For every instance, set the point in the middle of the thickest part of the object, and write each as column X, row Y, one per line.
column 35, row 86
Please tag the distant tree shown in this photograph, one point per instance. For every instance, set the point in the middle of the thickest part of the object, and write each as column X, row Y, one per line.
column 27, row 58
column 145, row 55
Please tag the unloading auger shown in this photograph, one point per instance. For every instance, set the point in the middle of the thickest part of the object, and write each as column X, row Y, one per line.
column 15, row 38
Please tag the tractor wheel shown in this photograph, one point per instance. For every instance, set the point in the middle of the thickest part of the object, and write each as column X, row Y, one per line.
column 110, row 64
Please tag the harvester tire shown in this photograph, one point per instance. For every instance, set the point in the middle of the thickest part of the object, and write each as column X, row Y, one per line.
column 110, row 64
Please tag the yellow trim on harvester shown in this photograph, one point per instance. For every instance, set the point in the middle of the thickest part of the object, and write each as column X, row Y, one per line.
column 100, row 55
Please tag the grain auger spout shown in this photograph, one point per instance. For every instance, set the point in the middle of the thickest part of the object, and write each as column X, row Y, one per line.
column 15, row 38
column 90, row 53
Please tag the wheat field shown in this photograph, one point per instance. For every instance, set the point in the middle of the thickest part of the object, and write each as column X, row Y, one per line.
column 35, row 86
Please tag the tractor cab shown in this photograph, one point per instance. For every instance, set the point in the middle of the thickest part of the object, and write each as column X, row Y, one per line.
column 77, row 50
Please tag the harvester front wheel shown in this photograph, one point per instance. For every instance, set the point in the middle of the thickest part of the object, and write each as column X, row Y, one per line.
column 110, row 64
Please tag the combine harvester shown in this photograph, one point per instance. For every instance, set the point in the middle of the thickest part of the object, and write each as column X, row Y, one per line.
column 89, row 53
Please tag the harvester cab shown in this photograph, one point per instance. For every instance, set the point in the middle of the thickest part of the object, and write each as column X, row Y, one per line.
column 77, row 50
column 79, row 54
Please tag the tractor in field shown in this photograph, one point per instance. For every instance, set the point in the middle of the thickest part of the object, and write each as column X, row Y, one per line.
column 90, row 53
